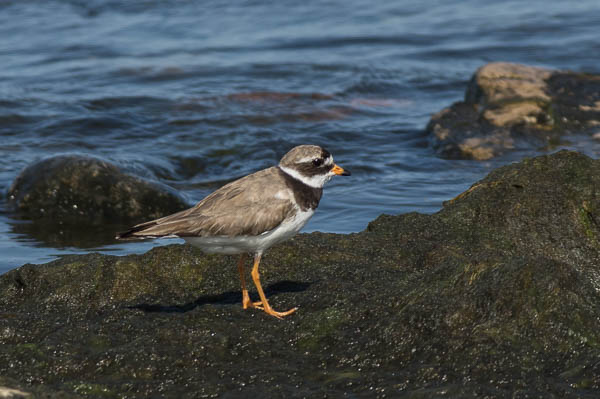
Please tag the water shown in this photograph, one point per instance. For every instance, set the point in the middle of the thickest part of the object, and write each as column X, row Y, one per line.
column 195, row 94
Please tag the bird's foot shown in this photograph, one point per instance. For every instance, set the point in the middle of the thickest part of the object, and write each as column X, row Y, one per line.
column 279, row 315
column 247, row 303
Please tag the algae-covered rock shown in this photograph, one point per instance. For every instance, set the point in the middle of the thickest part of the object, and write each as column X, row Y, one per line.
column 510, row 106
column 75, row 189
column 496, row 295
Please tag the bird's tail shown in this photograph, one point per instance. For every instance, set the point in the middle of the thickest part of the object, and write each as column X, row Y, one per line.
column 136, row 232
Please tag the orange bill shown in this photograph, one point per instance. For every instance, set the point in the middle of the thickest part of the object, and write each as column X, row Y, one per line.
column 340, row 171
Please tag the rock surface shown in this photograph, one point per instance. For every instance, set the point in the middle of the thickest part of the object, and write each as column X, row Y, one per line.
column 509, row 106
column 496, row 295
column 85, row 192
column 86, row 189
column 8, row 393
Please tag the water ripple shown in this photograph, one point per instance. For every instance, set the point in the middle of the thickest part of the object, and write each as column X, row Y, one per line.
column 196, row 94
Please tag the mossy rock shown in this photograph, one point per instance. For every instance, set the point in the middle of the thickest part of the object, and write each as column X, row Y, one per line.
column 495, row 295
column 77, row 189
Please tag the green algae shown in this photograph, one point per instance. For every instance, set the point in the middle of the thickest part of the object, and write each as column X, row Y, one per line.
column 320, row 329
column 93, row 390
column 588, row 223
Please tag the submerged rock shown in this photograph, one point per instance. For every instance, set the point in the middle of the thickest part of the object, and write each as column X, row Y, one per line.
column 75, row 189
column 496, row 295
column 509, row 106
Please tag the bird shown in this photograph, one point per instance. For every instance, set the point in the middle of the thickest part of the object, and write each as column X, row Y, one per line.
column 251, row 214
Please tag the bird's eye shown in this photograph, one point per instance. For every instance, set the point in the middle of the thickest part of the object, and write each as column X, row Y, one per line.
column 317, row 161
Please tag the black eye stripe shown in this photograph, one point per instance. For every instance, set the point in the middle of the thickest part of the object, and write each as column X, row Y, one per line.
column 308, row 169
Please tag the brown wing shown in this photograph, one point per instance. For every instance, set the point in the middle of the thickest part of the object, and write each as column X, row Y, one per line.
column 248, row 206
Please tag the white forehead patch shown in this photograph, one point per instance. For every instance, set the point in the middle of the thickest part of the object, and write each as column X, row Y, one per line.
column 328, row 160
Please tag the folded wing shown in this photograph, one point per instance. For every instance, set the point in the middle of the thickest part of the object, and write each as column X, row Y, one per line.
column 248, row 206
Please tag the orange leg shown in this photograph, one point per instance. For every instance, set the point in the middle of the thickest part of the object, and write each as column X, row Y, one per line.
column 246, row 302
column 263, row 298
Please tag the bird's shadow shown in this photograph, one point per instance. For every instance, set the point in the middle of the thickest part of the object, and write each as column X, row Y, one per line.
column 226, row 298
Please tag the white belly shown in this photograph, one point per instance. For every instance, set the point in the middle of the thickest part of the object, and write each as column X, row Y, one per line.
column 255, row 244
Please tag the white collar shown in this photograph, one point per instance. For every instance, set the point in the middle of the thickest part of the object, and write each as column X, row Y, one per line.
column 316, row 181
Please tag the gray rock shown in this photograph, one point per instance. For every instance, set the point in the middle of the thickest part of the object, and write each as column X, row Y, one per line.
column 76, row 189
column 510, row 106
column 496, row 295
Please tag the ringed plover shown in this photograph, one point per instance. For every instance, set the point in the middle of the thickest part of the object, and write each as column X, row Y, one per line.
column 251, row 214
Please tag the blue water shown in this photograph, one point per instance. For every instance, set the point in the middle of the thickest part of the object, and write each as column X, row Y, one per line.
column 194, row 94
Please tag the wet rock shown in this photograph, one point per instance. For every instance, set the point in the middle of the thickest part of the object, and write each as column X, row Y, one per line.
column 496, row 295
column 74, row 189
column 510, row 106
column 10, row 393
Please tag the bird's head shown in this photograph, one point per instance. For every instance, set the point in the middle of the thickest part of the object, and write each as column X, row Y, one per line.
column 311, row 164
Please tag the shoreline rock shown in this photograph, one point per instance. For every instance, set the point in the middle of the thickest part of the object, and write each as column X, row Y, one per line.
column 80, row 201
column 78, row 188
column 497, row 294
column 509, row 106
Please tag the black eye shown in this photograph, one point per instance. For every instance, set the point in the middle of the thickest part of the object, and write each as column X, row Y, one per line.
column 317, row 162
